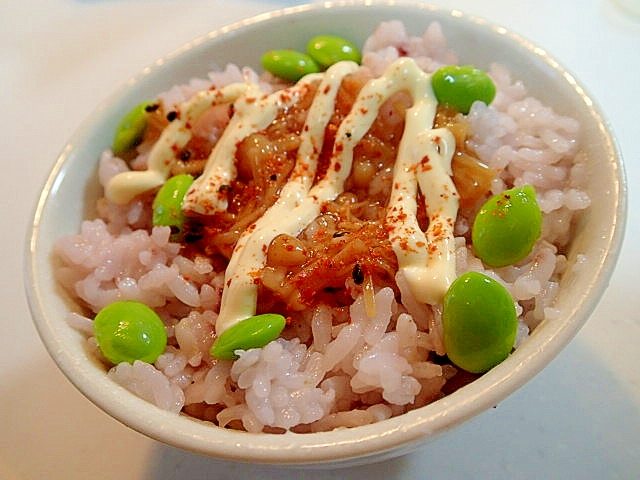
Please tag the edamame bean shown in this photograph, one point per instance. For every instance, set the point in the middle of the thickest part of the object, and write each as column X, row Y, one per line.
column 130, row 129
column 479, row 322
column 329, row 49
column 460, row 86
column 289, row 64
column 507, row 227
column 127, row 331
column 167, row 204
column 254, row 332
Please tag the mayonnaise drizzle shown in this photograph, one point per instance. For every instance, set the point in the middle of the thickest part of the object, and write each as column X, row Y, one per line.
column 123, row 187
column 424, row 159
column 252, row 112
column 240, row 294
column 426, row 259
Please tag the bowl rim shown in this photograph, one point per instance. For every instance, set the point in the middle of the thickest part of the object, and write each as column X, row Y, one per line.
column 391, row 437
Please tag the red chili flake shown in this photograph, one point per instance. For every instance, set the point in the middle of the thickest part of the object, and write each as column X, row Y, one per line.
column 424, row 163
column 337, row 167
column 404, row 245
column 437, row 229
column 327, row 89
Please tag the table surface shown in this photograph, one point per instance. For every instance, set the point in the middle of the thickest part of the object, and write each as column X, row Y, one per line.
column 579, row 418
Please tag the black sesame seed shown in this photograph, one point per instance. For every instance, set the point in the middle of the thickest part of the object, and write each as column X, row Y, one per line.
column 357, row 274
column 331, row 289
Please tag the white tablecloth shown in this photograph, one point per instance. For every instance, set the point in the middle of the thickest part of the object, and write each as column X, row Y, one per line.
column 579, row 418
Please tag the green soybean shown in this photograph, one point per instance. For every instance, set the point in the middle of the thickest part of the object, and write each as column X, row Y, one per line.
column 479, row 322
column 507, row 227
column 460, row 86
column 289, row 64
column 127, row 331
column 130, row 129
column 328, row 49
column 253, row 332
column 167, row 204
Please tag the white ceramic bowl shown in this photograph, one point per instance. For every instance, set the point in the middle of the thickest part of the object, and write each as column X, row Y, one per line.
column 72, row 186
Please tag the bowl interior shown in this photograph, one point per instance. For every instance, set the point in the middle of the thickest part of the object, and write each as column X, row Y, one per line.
column 72, row 186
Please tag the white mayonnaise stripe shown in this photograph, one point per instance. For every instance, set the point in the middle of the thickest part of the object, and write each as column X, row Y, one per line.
column 252, row 112
column 426, row 260
column 240, row 294
column 122, row 188
column 441, row 200
column 424, row 156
